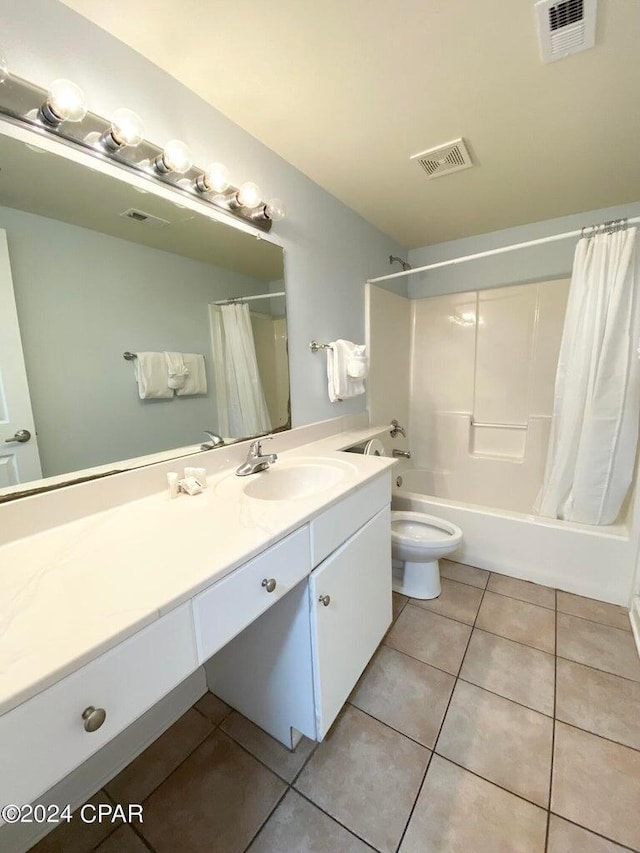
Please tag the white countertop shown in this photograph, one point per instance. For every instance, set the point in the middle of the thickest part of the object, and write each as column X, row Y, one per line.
column 71, row 592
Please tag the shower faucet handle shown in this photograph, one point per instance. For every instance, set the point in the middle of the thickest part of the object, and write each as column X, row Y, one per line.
column 396, row 429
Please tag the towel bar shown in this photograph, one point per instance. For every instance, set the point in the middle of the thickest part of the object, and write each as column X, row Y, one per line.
column 129, row 356
column 314, row 346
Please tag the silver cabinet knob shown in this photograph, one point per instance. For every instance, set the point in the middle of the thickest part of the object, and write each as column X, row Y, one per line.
column 269, row 584
column 93, row 718
column 325, row 599
column 21, row 436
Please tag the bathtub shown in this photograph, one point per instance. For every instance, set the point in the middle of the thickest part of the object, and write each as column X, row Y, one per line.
column 597, row 562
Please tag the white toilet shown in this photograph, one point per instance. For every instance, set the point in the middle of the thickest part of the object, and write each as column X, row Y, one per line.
column 417, row 543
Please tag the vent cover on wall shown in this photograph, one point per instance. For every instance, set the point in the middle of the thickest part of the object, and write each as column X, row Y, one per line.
column 450, row 157
column 145, row 218
column 565, row 27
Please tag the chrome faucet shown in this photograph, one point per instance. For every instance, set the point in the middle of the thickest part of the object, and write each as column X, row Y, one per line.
column 255, row 461
column 215, row 440
column 396, row 429
column 401, row 454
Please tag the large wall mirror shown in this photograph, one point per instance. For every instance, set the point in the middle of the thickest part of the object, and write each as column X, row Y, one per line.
column 98, row 267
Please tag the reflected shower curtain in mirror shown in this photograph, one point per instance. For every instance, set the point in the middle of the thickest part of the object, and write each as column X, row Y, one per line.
column 242, row 409
column 594, row 428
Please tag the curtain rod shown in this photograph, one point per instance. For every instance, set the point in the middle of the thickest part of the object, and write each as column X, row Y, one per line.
column 233, row 299
column 512, row 248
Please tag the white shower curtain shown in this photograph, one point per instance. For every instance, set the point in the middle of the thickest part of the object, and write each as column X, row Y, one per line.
column 594, row 429
column 242, row 409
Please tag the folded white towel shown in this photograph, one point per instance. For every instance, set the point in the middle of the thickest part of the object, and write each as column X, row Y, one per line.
column 196, row 378
column 151, row 375
column 340, row 384
column 176, row 369
column 358, row 363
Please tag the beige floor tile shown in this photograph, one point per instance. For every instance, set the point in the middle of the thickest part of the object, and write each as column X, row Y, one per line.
column 458, row 812
column 565, row 837
column 518, row 672
column 366, row 776
column 457, row 601
column 404, row 693
column 500, row 740
column 214, row 709
column 523, row 590
column 151, row 768
column 123, row 840
column 297, row 826
column 465, row 574
column 600, row 646
column 599, row 702
column 597, row 611
column 596, row 784
column 277, row 757
column 215, row 801
column 76, row 836
column 398, row 602
column 429, row 637
column 518, row 620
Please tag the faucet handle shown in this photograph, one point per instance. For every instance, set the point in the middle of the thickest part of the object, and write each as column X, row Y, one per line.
column 255, row 448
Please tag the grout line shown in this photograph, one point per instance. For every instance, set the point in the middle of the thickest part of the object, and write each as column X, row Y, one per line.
column 441, row 615
column 334, row 819
column 522, row 600
column 592, row 831
column 628, row 630
column 506, row 698
column 392, row 728
column 597, row 669
column 435, row 743
column 268, row 817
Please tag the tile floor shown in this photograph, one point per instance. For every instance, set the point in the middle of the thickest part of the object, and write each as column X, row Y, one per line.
column 502, row 717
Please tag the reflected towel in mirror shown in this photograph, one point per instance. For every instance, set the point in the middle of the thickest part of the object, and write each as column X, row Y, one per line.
column 151, row 376
column 176, row 369
column 196, row 377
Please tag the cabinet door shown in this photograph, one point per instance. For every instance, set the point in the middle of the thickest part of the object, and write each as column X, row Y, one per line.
column 347, row 626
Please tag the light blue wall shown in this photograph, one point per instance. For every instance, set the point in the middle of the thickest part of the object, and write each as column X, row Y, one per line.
column 538, row 263
column 84, row 298
column 329, row 250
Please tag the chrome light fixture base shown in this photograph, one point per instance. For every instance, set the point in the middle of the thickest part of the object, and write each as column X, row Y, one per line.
column 24, row 103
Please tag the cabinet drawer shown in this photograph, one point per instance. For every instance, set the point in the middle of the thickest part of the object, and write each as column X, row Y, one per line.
column 223, row 610
column 44, row 739
column 350, row 597
column 341, row 521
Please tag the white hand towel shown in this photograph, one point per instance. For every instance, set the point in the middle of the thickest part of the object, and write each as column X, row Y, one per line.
column 176, row 370
column 341, row 386
column 358, row 363
column 196, row 379
column 151, row 375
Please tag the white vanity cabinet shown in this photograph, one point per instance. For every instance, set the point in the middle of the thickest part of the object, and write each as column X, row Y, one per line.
column 46, row 737
column 294, row 667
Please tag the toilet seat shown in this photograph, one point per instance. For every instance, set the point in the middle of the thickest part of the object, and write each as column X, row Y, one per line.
column 415, row 530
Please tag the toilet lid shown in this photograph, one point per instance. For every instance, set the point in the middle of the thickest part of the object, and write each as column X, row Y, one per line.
column 419, row 527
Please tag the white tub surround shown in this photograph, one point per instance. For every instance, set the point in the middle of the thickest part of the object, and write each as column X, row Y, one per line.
column 167, row 580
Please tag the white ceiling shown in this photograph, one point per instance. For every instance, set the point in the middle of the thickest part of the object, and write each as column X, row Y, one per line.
column 347, row 90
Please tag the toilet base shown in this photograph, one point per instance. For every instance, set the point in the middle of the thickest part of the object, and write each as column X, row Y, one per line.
column 417, row 580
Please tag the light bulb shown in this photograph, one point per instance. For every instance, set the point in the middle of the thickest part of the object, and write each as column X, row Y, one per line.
column 65, row 102
column 176, row 157
column 214, row 179
column 4, row 68
column 275, row 210
column 249, row 195
column 126, row 129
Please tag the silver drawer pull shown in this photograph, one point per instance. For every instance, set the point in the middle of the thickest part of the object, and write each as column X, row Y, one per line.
column 325, row 599
column 269, row 584
column 93, row 718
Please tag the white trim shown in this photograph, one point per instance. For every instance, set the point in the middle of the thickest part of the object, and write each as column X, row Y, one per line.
column 53, row 146
column 499, row 251
column 634, row 616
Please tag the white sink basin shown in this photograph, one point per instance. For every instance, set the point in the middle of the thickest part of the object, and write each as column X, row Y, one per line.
column 301, row 478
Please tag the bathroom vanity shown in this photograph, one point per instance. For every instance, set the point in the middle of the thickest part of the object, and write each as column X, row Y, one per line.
column 278, row 583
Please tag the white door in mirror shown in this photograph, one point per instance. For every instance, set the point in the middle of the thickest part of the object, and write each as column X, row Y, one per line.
column 19, row 457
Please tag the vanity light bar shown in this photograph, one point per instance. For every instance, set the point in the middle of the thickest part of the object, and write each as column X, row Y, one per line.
column 61, row 111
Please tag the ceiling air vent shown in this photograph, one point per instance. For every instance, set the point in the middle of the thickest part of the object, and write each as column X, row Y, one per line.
column 145, row 218
column 565, row 28
column 447, row 158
